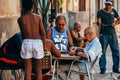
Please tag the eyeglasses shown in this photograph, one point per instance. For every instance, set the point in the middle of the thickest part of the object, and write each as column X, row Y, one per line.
column 86, row 34
column 61, row 24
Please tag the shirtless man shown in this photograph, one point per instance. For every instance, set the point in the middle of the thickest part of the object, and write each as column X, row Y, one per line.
column 33, row 35
column 76, row 36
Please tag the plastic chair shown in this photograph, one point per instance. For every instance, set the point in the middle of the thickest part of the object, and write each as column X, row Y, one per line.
column 46, row 67
column 47, row 61
column 87, row 73
column 47, row 64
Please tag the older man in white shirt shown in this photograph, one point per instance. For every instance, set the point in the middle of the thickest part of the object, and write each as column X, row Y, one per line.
column 91, row 51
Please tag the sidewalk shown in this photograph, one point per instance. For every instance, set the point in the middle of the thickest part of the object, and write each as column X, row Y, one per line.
column 109, row 75
column 97, row 76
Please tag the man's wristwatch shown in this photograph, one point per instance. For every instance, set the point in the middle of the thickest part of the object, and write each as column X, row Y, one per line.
column 76, row 53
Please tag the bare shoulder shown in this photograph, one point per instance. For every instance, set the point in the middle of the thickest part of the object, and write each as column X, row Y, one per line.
column 72, row 31
column 20, row 20
column 37, row 18
column 68, row 31
column 49, row 33
column 49, row 30
column 36, row 15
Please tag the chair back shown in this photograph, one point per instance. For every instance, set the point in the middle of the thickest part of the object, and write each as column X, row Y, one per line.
column 46, row 66
column 95, row 61
column 47, row 61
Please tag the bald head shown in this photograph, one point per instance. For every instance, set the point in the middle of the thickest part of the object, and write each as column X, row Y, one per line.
column 77, row 27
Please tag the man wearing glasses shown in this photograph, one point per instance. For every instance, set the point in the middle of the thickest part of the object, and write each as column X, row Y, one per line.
column 106, row 21
column 90, row 52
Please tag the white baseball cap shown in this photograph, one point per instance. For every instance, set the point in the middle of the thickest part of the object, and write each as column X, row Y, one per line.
column 108, row 2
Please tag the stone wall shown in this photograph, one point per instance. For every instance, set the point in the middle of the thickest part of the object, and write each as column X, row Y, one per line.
column 9, row 12
column 9, row 8
column 8, row 27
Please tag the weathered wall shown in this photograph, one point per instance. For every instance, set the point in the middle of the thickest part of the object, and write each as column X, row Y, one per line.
column 9, row 7
column 85, row 18
column 9, row 12
column 8, row 27
column 81, row 17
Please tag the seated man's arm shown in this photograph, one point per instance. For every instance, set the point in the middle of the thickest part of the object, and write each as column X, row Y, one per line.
column 54, row 50
column 70, row 41
column 74, row 36
column 49, row 32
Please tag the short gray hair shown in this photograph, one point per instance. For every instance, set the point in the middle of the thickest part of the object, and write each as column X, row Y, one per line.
column 91, row 29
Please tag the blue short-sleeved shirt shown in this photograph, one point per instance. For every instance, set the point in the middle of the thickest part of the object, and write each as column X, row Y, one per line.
column 93, row 49
column 60, row 40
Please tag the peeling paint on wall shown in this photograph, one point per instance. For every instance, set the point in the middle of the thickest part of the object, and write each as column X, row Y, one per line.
column 3, row 38
column 8, row 27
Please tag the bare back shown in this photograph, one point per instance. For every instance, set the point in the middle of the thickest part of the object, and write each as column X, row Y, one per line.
column 31, row 26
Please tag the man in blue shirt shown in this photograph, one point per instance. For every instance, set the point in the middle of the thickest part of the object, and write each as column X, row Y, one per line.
column 60, row 36
column 91, row 51
column 108, row 35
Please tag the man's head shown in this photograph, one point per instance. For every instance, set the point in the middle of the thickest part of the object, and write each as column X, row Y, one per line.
column 89, row 33
column 27, row 5
column 77, row 27
column 60, row 23
column 108, row 4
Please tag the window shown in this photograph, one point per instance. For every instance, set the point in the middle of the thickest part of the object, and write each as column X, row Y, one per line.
column 82, row 6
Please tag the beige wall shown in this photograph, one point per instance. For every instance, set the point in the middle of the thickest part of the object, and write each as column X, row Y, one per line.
column 74, row 15
column 9, row 7
column 70, row 5
column 9, row 13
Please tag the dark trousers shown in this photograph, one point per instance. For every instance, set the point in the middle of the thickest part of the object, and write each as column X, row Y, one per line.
column 112, row 40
